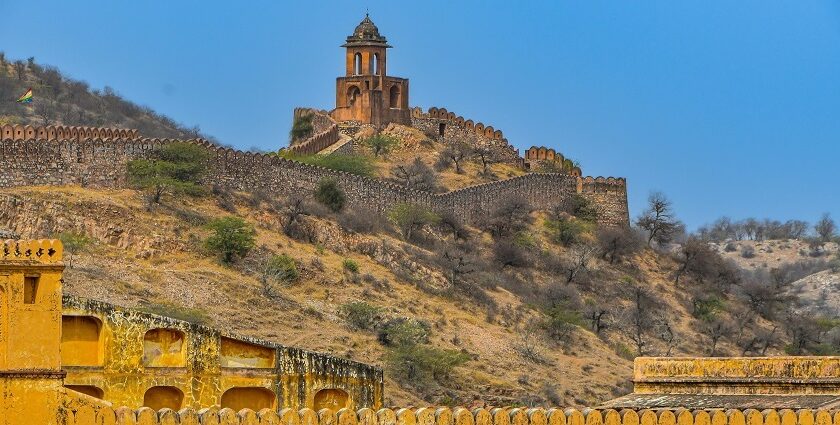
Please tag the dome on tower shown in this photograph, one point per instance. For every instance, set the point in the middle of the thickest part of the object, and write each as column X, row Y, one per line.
column 366, row 34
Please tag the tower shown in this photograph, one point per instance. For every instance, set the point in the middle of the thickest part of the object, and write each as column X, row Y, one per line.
column 366, row 94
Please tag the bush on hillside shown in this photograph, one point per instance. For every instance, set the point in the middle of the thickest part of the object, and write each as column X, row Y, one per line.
column 282, row 268
column 410, row 218
column 74, row 242
column 616, row 243
column 176, row 168
column 423, row 364
column 232, row 237
column 583, row 209
column 354, row 164
column 567, row 231
column 329, row 194
column 404, row 331
column 380, row 144
column 360, row 315
column 301, row 128
column 350, row 265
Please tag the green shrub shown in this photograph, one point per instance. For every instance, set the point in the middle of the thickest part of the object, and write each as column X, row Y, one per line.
column 282, row 268
column 707, row 309
column 834, row 264
column 583, row 209
column 232, row 237
column 301, row 128
column 562, row 322
column 380, row 144
column 74, row 242
column 174, row 169
column 404, row 331
column 420, row 364
column 360, row 315
column 350, row 265
column 567, row 231
column 354, row 164
column 411, row 217
column 329, row 194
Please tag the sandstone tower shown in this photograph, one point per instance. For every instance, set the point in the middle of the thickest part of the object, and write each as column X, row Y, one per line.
column 366, row 94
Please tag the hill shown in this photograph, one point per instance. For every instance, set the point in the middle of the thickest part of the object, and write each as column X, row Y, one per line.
column 62, row 100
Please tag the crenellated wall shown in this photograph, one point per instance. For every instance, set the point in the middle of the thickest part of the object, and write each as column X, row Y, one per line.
column 88, row 415
column 538, row 157
column 19, row 132
column 101, row 163
column 324, row 132
column 449, row 126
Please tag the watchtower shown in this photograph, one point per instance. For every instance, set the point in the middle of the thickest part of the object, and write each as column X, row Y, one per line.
column 366, row 93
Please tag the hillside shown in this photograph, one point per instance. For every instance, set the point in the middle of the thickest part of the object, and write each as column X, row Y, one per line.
column 496, row 315
column 59, row 99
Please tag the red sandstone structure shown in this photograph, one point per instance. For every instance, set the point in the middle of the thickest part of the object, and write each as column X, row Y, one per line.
column 366, row 94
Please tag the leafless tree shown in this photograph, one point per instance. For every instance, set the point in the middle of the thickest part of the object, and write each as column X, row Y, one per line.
column 457, row 261
column 825, row 228
column 510, row 217
column 416, row 175
column 668, row 337
column 716, row 330
column 616, row 243
column 659, row 221
column 597, row 315
column 640, row 318
column 487, row 156
column 578, row 260
column 45, row 109
column 20, row 69
column 454, row 154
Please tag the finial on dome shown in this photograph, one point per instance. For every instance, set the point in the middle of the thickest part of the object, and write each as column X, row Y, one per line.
column 366, row 34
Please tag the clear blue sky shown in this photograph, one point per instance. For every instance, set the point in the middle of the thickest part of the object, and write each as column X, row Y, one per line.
column 729, row 107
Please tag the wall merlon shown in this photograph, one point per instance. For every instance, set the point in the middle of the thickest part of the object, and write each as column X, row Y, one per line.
column 46, row 251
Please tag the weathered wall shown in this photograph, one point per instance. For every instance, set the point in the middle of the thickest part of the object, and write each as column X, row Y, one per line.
column 139, row 351
column 457, row 128
column 102, row 163
column 324, row 132
column 542, row 157
column 457, row 416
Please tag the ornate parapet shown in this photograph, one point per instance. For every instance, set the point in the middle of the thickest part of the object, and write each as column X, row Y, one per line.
column 44, row 251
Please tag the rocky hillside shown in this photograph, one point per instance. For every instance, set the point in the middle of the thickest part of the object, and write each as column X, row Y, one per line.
column 62, row 100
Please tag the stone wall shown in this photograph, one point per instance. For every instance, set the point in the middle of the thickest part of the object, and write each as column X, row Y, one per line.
column 101, row 163
column 89, row 415
column 324, row 132
column 457, row 128
column 138, row 352
column 537, row 158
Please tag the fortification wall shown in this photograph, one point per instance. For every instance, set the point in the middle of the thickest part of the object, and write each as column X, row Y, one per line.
column 101, row 163
column 19, row 132
column 88, row 415
column 456, row 127
column 609, row 195
column 324, row 132
column 539, row 157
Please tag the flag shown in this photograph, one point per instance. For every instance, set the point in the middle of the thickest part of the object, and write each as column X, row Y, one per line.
column 26, row 97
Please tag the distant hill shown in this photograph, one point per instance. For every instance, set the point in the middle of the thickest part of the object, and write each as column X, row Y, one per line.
column 62, row 100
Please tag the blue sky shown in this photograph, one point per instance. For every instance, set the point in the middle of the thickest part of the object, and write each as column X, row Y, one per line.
column 729, row 107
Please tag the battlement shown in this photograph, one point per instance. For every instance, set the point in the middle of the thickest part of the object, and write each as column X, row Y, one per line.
column 19, row 132
column 324, row 132
column 601, row 184
column 536, row 155
column 44, row 251
column 478, row 127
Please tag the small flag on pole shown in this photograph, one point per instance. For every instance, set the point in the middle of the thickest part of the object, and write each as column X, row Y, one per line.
column 26, row 97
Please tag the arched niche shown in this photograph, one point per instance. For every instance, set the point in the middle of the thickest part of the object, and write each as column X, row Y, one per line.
column 81, row 341
column 394, row 97
column 241, row 354
column 164, row 348
column 163, row 397
column 331, row 398
column 254, row 398
column 90, row 390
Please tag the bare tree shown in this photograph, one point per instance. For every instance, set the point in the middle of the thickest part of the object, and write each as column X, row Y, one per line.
column 578, row 261
column 668, row 337
column 487, row 156
column 640, row 319
column 716, row 330
column 510, row 217
column 458, row 261
column 45, row 109
column 616, row 243
column 416, row 175
column 825, row 228
column 659, row 221
column 20, row 69
column 454, row 154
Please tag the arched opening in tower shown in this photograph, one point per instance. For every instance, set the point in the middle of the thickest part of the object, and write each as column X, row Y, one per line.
column 395, row 97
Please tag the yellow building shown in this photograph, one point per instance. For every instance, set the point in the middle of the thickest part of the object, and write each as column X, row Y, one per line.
column 129, row 358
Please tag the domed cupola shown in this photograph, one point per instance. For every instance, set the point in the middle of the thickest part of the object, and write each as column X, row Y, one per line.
column 366, row 34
